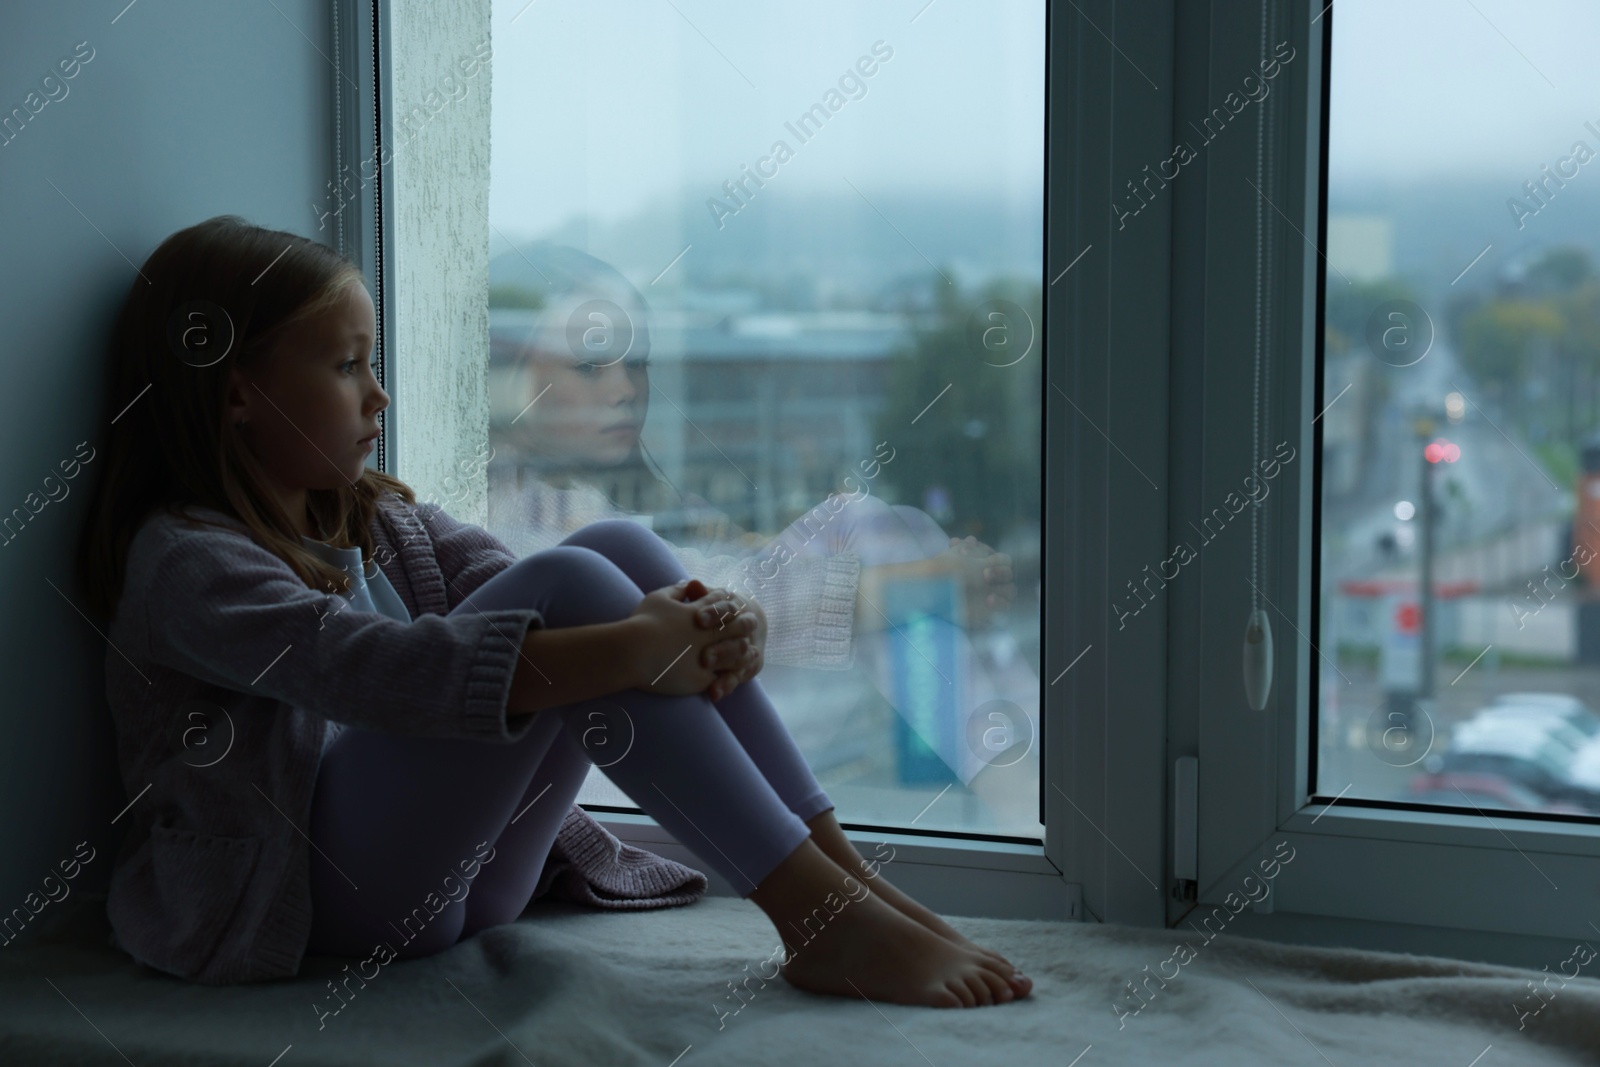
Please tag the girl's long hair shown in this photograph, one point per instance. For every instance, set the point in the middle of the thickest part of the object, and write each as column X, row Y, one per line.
column 212, row 297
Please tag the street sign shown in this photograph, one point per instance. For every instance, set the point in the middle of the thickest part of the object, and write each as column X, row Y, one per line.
column 1400, row 655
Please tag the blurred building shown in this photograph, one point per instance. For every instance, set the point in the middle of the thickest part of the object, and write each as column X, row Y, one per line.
column 1361, row 246
column 759, row 412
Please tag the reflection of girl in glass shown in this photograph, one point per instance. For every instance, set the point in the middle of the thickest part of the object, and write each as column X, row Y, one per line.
column 579, row 388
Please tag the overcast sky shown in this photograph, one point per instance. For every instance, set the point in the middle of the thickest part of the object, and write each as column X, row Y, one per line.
column 602, row 105
column 1430, row 88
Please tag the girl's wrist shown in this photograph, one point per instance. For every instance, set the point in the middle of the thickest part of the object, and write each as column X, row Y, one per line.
column 630, row 637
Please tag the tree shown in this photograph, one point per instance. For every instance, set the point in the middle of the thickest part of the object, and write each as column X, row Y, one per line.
column 1498, row 342
column 1559, row 270
column 1347, row 309
column 979, row 439
column 1579, row 346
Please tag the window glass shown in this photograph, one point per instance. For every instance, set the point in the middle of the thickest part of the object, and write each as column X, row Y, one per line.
column 1459, row 640
column 766, row 280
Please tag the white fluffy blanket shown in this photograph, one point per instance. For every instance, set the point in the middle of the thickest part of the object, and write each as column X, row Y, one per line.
column 571, row 985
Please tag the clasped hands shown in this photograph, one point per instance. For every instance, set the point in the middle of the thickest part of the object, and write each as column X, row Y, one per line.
column 699, row 639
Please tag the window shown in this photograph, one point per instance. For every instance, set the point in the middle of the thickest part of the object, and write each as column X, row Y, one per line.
column 1459, row 531
column 772, row 275
column 1425, row 299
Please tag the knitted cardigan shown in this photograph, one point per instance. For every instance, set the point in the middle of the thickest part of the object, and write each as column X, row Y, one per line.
column 211, row 882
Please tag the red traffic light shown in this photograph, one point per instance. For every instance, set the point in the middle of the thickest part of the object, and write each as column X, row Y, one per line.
column 1441, row 451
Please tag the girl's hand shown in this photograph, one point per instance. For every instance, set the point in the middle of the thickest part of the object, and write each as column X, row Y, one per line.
column 990, row 588
column 738, row 660
column 672, row 643
column 736, row 656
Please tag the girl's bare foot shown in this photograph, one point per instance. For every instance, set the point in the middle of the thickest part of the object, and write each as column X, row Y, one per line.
column 830, row 837
column 841, row 939
column 870, row 949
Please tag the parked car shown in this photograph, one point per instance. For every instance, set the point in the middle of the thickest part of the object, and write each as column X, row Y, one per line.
column 1489, row 791
column 1527, row 753
column 1585, row 769
column 1582, row 717
column 1533, row 720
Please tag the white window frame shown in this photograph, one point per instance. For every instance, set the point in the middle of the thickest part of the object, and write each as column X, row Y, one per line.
column 1494, row 887
column 1111, row 457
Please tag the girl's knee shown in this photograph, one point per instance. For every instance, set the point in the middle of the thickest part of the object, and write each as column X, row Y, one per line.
column 570, row 584
column 602, row 535
column 866, row 504
column 564, row 568
column 560, row 559
column 639, row 552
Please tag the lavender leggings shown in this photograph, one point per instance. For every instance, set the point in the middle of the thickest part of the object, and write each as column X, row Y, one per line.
column 400, row 814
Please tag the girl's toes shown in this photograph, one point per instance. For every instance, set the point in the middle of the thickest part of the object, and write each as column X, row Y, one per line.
column 999, row 988
column 997, row 964
column 981, row 993
column 1020, row 983
column 972, row 946
column 958, row 989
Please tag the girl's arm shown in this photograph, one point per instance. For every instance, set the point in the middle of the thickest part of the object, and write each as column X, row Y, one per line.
column 566, row 664
column 220, row 607
column 660, row 648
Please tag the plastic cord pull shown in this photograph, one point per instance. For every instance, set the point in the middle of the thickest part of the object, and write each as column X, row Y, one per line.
column 1258, row 659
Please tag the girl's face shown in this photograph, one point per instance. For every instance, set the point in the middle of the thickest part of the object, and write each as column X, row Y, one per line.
column 311, row 408
column 590, row 409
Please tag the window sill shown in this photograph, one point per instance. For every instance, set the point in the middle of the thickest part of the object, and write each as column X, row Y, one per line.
column 1490, row 830
column 1451, row 881
column 989, row 879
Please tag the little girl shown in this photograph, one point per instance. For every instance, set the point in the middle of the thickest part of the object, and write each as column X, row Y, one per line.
column 370, row 729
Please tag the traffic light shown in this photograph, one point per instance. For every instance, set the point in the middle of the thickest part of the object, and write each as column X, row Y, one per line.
column 1441, row 451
